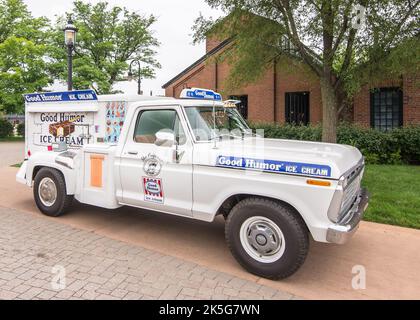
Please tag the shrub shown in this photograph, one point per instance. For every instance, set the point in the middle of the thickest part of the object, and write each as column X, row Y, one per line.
column 408, row 139
column 397, row 146
column 6, row 128
column 21, row 129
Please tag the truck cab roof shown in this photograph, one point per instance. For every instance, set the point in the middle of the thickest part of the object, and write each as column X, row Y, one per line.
column 130, row 98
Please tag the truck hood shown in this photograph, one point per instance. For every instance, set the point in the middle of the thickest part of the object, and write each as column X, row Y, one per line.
column 324, row 160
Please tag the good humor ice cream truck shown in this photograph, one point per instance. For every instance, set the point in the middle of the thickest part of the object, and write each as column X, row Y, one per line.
column 193, row 157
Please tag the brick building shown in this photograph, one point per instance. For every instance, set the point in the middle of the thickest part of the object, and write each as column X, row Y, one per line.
column 295, row 97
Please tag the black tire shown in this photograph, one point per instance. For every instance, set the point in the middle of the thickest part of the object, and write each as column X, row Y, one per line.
column 291, row 225
column 62, row 202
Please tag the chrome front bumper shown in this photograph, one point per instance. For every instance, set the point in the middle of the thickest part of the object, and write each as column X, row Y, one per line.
column 342, row 231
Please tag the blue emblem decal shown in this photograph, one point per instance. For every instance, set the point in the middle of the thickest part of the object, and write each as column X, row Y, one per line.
column 307, row 169
column 82, row 95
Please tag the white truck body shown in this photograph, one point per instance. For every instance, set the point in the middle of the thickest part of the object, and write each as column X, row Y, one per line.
column 107, row 166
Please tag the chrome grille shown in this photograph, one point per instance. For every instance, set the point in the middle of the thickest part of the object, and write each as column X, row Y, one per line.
column 352, row 189
column 350, row 194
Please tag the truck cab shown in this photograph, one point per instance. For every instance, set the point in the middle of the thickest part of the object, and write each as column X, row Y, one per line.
column 197, row 158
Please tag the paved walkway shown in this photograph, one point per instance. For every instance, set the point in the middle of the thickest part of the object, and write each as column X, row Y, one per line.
column 11, row 153
column 34, row 252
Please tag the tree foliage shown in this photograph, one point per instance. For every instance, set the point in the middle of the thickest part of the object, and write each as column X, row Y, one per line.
column 345, row 43
column 33, row 53
column 108, row 39
column 23, row 67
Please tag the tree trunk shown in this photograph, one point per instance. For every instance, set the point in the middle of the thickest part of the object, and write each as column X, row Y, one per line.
column 329, row 111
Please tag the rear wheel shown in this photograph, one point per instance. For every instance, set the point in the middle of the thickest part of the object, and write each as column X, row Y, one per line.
column 267, row 238
column 50, row 192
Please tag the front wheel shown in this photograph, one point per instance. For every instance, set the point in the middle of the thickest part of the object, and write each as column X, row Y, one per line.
column 50, row 192
column 267, row 238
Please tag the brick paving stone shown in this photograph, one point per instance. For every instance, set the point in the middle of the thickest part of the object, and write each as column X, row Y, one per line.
column 46, row 294
column 230, row 292
column 133, row 296
column 21, row 288
column 118, row 293
column 189, row 291
column 31, row 293
column 64, row 294
column 7, row 295
column 97, row 267
column 170, row 293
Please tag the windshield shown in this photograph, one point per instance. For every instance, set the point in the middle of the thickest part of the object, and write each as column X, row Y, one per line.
column 209, row 123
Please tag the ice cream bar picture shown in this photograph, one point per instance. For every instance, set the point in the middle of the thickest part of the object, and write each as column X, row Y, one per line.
column 62, row 129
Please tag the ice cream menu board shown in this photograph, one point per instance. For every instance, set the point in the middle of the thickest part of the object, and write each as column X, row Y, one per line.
column 115, row 116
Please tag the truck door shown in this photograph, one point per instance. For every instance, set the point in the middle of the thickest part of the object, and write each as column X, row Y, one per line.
column 156, row 174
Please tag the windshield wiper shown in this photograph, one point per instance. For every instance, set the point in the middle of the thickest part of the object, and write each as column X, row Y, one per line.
column 220, row 136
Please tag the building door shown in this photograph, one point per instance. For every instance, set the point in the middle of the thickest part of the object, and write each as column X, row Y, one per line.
column 386, row 108
column 242, row 106
column 297, row 108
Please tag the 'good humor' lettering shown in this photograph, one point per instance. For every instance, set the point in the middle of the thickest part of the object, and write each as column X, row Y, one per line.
column 274, row 166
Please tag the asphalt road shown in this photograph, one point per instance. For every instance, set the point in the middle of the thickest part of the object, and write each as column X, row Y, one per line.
column 11, row 153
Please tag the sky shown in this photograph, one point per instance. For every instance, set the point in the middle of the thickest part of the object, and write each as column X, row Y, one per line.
column 172, row 29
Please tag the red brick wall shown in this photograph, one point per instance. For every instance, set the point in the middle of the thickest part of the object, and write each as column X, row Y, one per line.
column 203, row 76
column 212, row 43
column 298, row 81
column 411, row 100
column 260, row 95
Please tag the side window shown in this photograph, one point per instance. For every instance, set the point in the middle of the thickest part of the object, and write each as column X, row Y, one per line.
column 150, row 122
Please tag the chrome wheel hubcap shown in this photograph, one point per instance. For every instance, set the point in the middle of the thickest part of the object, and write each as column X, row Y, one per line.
column 47, row 191
column 262, row 239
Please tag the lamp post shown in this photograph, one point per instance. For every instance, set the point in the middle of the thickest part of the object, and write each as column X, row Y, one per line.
column 130, row 75
column 70, row 40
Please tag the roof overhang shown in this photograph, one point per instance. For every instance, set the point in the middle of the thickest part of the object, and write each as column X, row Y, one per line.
column 198, row 62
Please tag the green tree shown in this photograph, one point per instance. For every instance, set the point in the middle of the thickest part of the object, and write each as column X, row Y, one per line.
column 107, row 40
column 23, row 67
column 22, row 70
column 345, row 43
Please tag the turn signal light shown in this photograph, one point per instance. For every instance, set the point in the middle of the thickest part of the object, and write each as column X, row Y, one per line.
column 50, row 148
column 321, row 183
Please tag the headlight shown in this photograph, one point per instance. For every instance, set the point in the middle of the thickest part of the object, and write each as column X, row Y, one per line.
column 335, row 206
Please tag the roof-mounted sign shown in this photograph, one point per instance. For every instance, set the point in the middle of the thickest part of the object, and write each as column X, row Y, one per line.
column 203, row 94
column 81, row 95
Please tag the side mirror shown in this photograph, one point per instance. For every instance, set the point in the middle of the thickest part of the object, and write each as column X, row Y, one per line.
column 165, row 138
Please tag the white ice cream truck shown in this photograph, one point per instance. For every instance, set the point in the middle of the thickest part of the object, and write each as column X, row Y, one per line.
column 193, row 157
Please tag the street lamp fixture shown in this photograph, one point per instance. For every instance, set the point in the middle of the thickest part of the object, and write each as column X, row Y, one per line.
column 70, row 32
column 130, row 75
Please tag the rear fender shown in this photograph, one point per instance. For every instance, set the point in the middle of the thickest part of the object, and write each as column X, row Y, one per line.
column 48, row 159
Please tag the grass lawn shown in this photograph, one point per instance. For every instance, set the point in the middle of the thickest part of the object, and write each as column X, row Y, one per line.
column 17, row 165
column 12, row 139
column 394, row 195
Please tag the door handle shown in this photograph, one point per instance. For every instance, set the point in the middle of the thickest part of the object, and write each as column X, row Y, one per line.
column 133, row 153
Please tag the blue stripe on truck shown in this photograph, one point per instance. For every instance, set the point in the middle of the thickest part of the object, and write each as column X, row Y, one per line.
column 307, row 169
